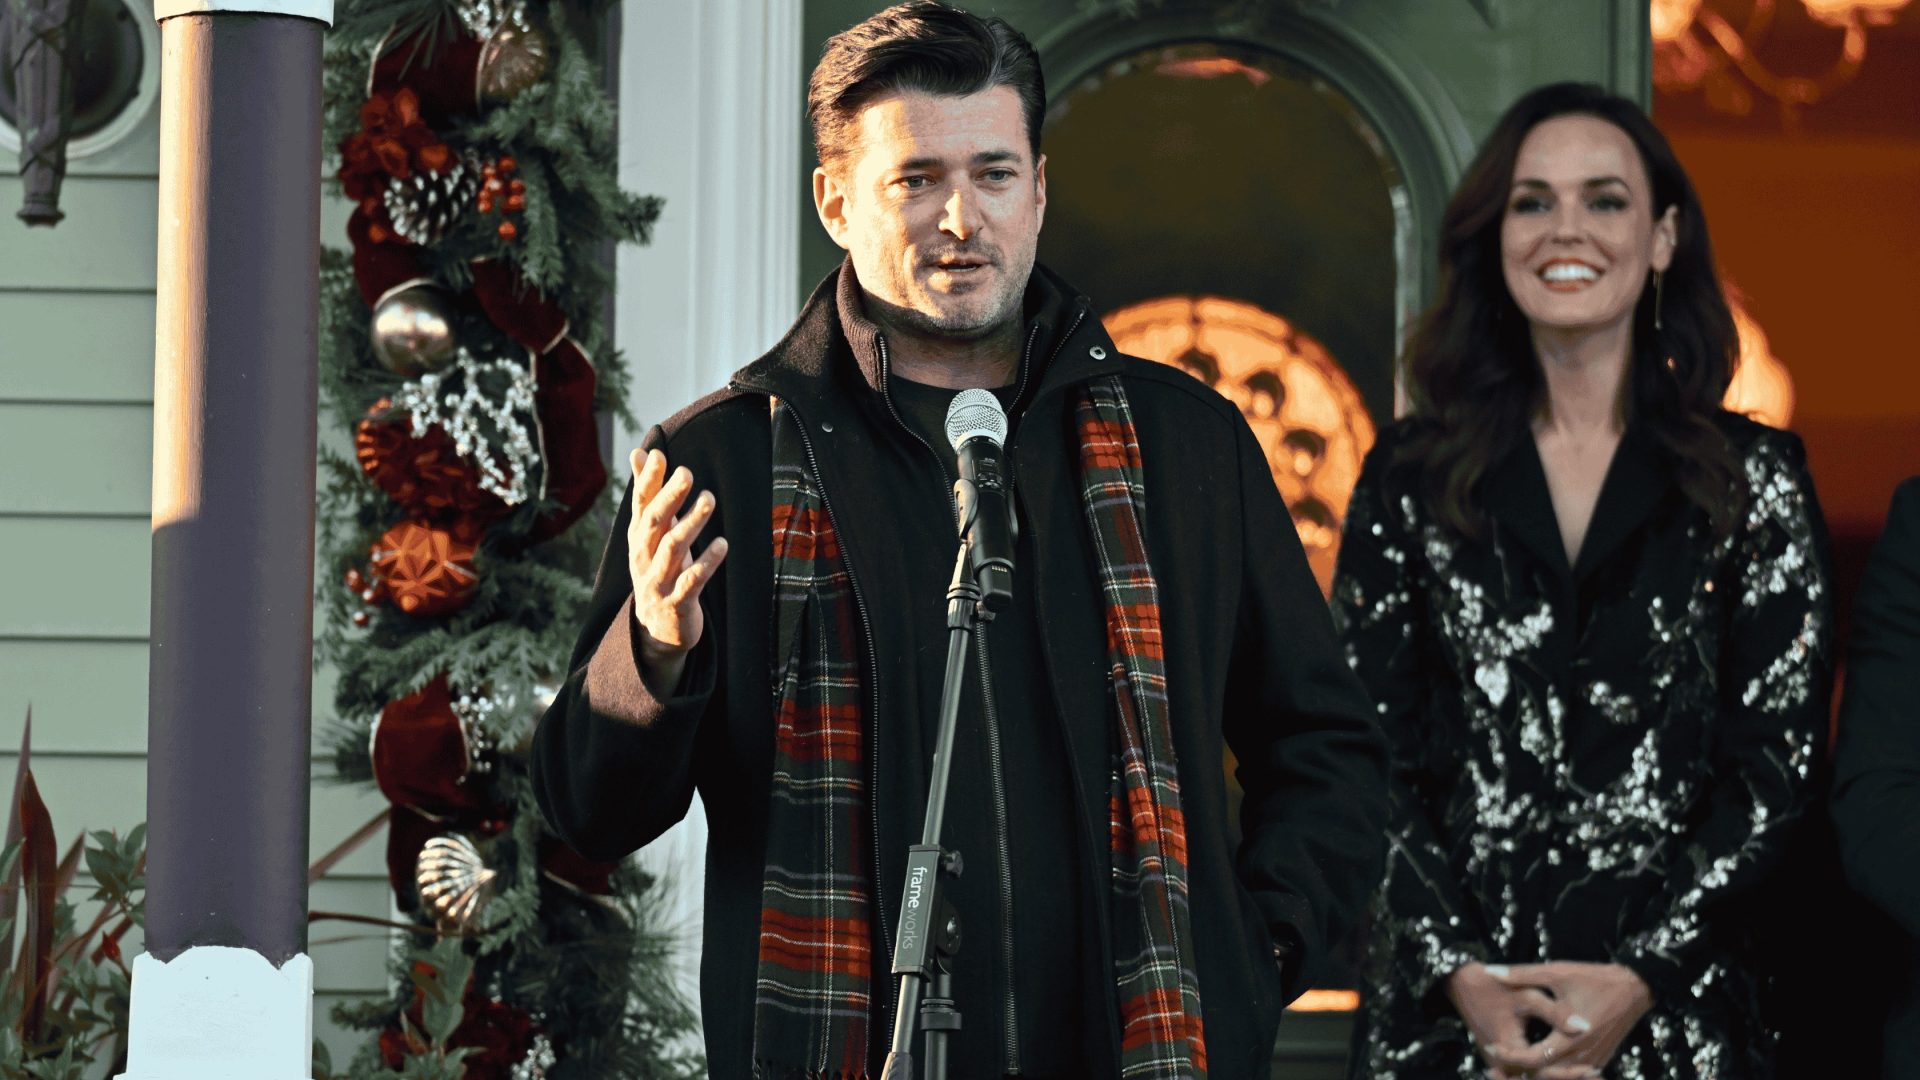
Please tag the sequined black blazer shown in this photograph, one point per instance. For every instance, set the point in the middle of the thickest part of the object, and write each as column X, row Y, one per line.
column 1598, row 761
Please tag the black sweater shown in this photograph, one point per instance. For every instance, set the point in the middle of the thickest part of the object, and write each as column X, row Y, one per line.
column 1251, row 661
column 1019, row 911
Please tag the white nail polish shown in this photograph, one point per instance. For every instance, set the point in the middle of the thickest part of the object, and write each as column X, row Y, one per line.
column 1498, row 971
column 1579, row 1023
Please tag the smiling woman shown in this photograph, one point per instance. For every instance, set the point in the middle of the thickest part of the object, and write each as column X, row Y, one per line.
column 1579, row 237
column 1583, row 180
column 1595, row 613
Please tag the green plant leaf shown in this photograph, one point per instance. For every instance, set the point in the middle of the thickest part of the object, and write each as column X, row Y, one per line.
column 442, row 974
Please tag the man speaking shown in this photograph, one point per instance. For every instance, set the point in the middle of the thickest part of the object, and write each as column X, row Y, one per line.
column 769, row 628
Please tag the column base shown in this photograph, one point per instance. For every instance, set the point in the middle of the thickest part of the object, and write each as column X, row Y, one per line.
column 218, row 1013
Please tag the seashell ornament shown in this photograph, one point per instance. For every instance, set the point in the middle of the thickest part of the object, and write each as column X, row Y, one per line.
column 455, row 882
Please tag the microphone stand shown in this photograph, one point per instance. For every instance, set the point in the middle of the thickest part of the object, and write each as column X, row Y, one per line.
column 929, row 929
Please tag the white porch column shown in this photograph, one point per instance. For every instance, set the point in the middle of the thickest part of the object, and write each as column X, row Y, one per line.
column 711, row 101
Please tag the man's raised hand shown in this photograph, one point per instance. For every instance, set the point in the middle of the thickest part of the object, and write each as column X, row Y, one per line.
column 667, row 577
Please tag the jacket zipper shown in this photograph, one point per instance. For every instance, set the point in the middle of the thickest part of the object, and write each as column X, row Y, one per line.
column 873, row 755
column 998, row 789
column 1089, row 836
column 997, row 774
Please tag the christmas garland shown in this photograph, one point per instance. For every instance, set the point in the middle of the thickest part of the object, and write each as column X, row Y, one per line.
column 462, row 352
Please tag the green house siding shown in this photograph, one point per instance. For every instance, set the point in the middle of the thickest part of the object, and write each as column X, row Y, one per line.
column 76, row 453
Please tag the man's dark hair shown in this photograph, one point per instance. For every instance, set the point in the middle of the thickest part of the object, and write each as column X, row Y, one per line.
column 920, row 45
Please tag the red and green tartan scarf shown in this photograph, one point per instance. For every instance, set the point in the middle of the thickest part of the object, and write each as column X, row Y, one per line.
column 815, row 987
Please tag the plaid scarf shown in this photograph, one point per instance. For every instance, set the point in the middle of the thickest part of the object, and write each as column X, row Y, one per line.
column 816, row 980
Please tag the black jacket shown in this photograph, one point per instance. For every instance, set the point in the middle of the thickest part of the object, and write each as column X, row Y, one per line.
column 1603, row 761
column 1876, row 797
column 1251, row 662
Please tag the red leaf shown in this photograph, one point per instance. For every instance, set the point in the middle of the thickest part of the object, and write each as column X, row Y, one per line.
column 40, row 882
column 10, row 889
column 62, row 880
column 109, row 947
column 69, row 865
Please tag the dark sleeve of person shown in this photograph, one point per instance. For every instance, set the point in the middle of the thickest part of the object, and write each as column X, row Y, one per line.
column 1310, row 759
column 1776, row 669
column 1876, row 798
column 612, row 758
column 1380, row 609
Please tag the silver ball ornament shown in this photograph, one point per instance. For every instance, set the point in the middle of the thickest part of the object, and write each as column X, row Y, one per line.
column 412, row 328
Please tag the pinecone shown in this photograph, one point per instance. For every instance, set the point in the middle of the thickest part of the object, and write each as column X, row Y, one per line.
column 425, row 205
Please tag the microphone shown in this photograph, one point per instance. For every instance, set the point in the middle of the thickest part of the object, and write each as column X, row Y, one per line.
column 977, row 428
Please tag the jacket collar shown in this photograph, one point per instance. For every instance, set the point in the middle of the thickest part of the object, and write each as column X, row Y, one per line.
column 1516, row 495
column 834, row 349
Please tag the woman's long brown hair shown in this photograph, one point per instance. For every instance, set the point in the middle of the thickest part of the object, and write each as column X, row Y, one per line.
column 1470, row 369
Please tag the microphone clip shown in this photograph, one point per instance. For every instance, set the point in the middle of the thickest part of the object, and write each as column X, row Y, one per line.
column 992, row 575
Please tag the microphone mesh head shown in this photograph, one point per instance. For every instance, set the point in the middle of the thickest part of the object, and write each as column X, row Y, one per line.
column 973, row 414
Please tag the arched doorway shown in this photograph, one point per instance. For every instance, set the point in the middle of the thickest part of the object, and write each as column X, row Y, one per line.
column 1234, row 213
column 1307, row 414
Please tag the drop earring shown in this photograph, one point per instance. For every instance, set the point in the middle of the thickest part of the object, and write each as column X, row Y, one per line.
column 1659, row 291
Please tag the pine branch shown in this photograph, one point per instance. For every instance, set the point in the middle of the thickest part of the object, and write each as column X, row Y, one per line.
column 541, row 257
column 594, row 972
